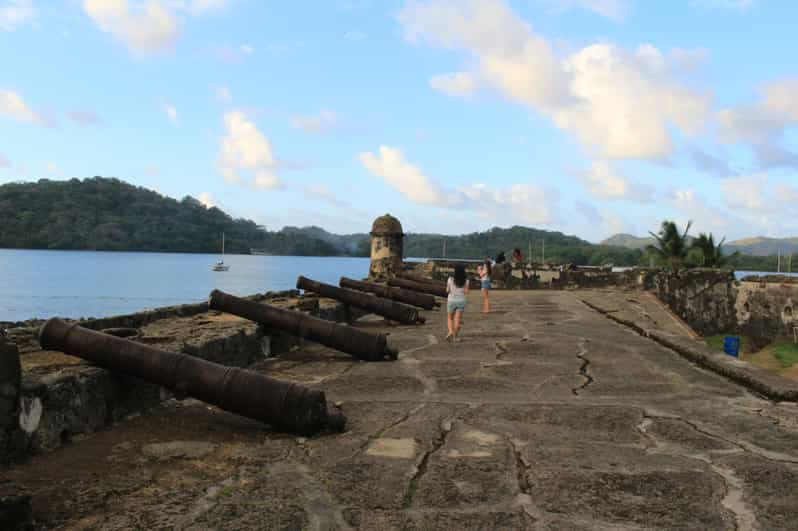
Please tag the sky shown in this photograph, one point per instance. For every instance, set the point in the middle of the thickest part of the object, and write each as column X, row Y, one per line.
column 590, row 117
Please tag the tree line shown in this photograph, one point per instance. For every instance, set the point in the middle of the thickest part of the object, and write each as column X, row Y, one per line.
column 111, row 215
column 675, row 250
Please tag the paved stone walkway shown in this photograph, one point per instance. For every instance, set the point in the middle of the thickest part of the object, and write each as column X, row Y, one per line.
column 546, row 416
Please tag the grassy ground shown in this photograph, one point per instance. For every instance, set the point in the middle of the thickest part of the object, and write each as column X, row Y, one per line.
column 786, row 352
column 717, row 341
column 780, row 356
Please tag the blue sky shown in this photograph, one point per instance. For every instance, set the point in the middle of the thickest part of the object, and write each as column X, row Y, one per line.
column 586, row 116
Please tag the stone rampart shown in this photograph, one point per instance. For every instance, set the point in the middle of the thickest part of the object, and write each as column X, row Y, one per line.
column 767, row 307
column 703, row 298
column 60, row 398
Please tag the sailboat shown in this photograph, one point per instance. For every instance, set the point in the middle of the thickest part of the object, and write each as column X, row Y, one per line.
column 220, row 266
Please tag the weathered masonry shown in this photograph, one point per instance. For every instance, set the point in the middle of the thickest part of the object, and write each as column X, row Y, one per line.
column 387, row 247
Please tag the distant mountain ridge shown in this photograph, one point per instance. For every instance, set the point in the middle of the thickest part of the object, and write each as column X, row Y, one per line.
column 112, row 215
column 762, row 246
column 109, row 214
column 756, row 246
column 628, row 241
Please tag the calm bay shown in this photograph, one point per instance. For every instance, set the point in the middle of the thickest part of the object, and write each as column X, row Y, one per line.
column 43, row 284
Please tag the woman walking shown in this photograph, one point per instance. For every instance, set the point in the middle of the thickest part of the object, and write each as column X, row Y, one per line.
column 457, row 288
column 485, row 271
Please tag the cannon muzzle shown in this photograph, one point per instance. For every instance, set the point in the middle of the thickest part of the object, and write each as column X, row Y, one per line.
column 285, row 405
column 439, row 290
column 395, row 311
column 358, row 343
column 421, row 300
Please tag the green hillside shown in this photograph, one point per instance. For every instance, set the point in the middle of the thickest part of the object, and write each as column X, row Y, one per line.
column 111, row 215
column 559, row 247
column 761, row 246
column 629, row 241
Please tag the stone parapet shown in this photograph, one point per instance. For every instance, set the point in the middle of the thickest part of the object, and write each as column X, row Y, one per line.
column 10, row 383
column 62, row 398
column 704, row 298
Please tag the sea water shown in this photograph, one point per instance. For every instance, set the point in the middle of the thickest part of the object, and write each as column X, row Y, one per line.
column 43, row 284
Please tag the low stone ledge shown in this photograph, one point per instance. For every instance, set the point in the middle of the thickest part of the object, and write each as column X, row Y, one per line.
column 63, row 397
column 15, row 509
column 759, row 380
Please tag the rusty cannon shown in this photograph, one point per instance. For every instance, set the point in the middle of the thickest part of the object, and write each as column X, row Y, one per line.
column 438, row 290
column 358, row 343
column 421, row 280
column 422, row 300
column 288, row 406
column 394, row 311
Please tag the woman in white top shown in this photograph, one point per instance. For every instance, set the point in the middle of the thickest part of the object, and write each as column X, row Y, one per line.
column 457, row 288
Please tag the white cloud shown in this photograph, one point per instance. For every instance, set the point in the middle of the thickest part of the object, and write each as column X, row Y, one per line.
column 223, row 94
column 53, row 169
column 390, row 164
column 740, row 5
column 246, row 153
column 200, row 7
column 4, row 162
column 713, row 165
column 84, row 117
column 619, row 103
column 764, row 124
column 517, row 203
column 705, row 217
column 603, row 223
column 354, row 35
column 145, row 27
column 231, row 54
column 171, row 112
column 152, row 170
column 455, row 84
column 605, row 182
column 755, row 196
column 746, row 192
column 522, row 203
column 614, row 9
column 207, row 199
column 14, row 13
column 325, row 122
column 322, row 192
column 13, row 106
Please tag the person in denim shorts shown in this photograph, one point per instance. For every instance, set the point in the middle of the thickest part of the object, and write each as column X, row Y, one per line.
column 485, row 271
column 457, row 288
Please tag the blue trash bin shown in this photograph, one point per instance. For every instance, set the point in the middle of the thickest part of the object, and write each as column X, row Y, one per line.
column 731, row 346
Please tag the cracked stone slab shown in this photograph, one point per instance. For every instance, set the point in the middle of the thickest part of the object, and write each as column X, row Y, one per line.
column 483, row 434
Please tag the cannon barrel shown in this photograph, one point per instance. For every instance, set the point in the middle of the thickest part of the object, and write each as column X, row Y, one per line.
column 422, row 300
column 395, row 311
column 359, row 343
column 421, row 287
column 285, row 405
column 421, row 280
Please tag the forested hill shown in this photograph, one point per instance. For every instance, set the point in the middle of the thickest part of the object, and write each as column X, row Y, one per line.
column 559, row 247
column 109, row 214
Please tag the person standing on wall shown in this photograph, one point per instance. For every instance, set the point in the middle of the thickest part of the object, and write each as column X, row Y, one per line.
column 518, row 257
column 485, row 270
column 457, row 288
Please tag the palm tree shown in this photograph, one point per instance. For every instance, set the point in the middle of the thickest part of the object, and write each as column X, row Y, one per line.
column 712, row 254
column 671, row 247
